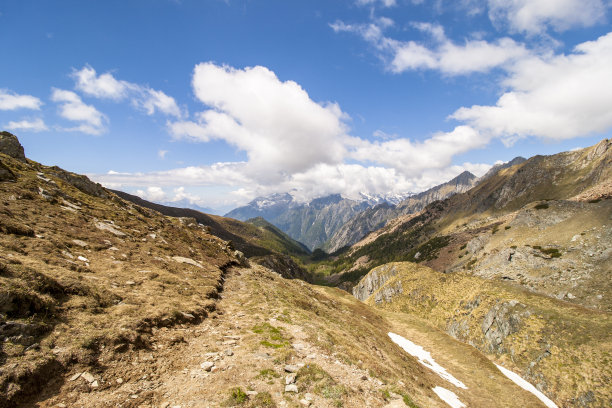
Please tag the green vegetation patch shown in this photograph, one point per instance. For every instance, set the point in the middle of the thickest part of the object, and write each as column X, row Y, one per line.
column 236, row 397
column 313, row 377
column 273, row 335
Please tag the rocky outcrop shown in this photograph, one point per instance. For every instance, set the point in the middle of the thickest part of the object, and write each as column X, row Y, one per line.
column 375, row 280
column 81, row 182
column 283, row 265
column 502, row 320
column 9, row 145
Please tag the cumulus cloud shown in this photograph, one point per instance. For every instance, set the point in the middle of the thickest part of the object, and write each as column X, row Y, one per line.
column 323, row 179
column 535, row 16
column 276, row 123
column 100, row 86
column 412, row 158
column 152, row 193
column 106, row 86
column 12, row 101
column 444, row 55
column 74, row 109
column 36, row 125
column 553, row 97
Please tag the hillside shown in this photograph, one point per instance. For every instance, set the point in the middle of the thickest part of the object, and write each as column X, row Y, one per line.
column 256, row 237
column 376, row 217
column 561, row 348
column 542, row 224
column 107, row 303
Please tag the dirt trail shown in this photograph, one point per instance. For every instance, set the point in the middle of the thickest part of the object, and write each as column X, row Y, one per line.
column 195, row 366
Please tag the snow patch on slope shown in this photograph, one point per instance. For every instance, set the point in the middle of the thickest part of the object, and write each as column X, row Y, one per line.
column 518, row 380
column 425, row 358
column 449, row 397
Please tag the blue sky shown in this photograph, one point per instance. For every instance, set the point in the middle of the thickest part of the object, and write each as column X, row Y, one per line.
column 216, row 102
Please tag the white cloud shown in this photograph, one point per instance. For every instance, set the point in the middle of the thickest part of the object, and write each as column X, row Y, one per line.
column 153, row 100
column 446, row 56
column 162, row 154
column 100, row 86
column 74, row 109
column 152, row 193
column 36, row 125
column 276, row 123
column 412, row 158
column 320, row 180
column 535, row 16
column 106, row 86
column 555, row 97
column 12, row 101
column 385, row 3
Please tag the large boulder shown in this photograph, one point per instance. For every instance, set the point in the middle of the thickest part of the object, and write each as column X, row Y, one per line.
column 9, row 145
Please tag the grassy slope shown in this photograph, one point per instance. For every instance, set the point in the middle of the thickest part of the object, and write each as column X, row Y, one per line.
column 57, row 308
column 563, row 347
column 252, row 238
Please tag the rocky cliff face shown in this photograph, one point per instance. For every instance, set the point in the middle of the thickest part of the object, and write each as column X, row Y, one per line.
column 310, row 223
column 374, row 218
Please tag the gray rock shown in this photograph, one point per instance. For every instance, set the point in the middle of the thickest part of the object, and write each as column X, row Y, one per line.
column 207, row 365
column 88, row 377
column 373, row 281
column 290, row 368
column 9, row 145
column 291, row 388
column 290, row 379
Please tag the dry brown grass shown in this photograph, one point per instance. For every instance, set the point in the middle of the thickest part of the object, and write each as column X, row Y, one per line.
column 69, row 289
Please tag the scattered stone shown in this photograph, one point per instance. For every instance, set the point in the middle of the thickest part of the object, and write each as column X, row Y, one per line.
column 308, row 396
column 95, row 384
column 364, row 378
column 252, row 393
column 188, row 261
column 61, row 405
column 305, row 402
column 75, row 376
column 119, row 380
column 130, row 283
column 290, row 368
column 207, row 365
column 110, row 228
column 88, row 377
column 291, row 388
column 80, row 243
column 570, row 296
column 290, row 379
column 164, row 405
column 229, row 352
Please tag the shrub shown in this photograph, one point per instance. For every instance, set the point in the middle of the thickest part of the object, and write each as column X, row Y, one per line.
column 542, row 206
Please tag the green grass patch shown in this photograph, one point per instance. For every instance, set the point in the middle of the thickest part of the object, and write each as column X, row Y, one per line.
column 274, row 337
column 314, row 378
column 236, row 397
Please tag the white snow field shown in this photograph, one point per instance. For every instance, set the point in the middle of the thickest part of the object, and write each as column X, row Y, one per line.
column 518, row 380
column 449, row 397
column 425, row 358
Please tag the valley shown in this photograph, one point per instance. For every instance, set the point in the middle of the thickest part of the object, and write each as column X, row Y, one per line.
column 107, row 299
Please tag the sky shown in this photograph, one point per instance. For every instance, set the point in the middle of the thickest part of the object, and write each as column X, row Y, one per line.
column 216, row 102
